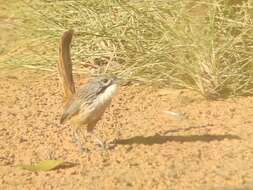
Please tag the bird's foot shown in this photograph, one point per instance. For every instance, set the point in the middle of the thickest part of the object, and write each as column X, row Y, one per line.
column 104, row 145
column 101, row 144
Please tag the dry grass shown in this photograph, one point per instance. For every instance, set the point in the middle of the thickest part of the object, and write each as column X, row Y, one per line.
column 206, row 46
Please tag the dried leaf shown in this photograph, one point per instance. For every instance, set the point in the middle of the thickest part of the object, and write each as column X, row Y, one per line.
column 45, row 165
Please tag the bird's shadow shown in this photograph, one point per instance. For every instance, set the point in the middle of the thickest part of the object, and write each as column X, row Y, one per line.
column 160, row 139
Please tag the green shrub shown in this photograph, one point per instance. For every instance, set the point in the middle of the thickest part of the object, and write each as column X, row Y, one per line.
column 206, row 46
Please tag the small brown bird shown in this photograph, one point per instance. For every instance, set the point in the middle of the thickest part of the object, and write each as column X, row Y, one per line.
column 88, row 104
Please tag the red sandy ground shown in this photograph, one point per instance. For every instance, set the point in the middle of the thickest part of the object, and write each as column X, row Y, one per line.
column 211, row 148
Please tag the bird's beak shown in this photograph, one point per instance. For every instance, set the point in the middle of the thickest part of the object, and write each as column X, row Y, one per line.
column 116, row 80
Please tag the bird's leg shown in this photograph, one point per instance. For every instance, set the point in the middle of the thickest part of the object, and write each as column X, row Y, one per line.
column 100, row 143
column 77, row 138
column 97, row 141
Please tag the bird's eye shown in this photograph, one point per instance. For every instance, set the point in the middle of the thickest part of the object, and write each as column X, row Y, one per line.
column 105, row 81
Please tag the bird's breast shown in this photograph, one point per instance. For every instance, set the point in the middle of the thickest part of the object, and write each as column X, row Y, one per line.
column 95, row 110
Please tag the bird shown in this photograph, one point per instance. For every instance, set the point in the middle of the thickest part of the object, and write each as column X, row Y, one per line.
column 88, row 104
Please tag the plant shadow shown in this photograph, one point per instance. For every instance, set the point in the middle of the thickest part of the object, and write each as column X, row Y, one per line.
column 66, row 165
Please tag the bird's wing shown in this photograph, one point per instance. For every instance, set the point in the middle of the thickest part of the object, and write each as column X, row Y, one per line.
column 71, row 109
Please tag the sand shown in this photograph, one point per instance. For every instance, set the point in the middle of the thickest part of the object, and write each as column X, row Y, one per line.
column 209, row 147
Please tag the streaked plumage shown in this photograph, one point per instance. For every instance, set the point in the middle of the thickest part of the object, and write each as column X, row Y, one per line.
column 87, row 106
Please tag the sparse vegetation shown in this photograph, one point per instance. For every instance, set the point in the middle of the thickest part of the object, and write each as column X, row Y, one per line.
column 206, row 46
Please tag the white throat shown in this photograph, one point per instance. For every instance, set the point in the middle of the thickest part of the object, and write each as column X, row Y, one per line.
column 107, row 95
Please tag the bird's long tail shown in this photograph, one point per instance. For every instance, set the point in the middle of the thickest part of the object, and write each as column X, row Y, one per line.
column 65, row 64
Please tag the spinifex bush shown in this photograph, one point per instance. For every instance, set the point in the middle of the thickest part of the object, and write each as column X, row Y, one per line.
column 202, row 45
